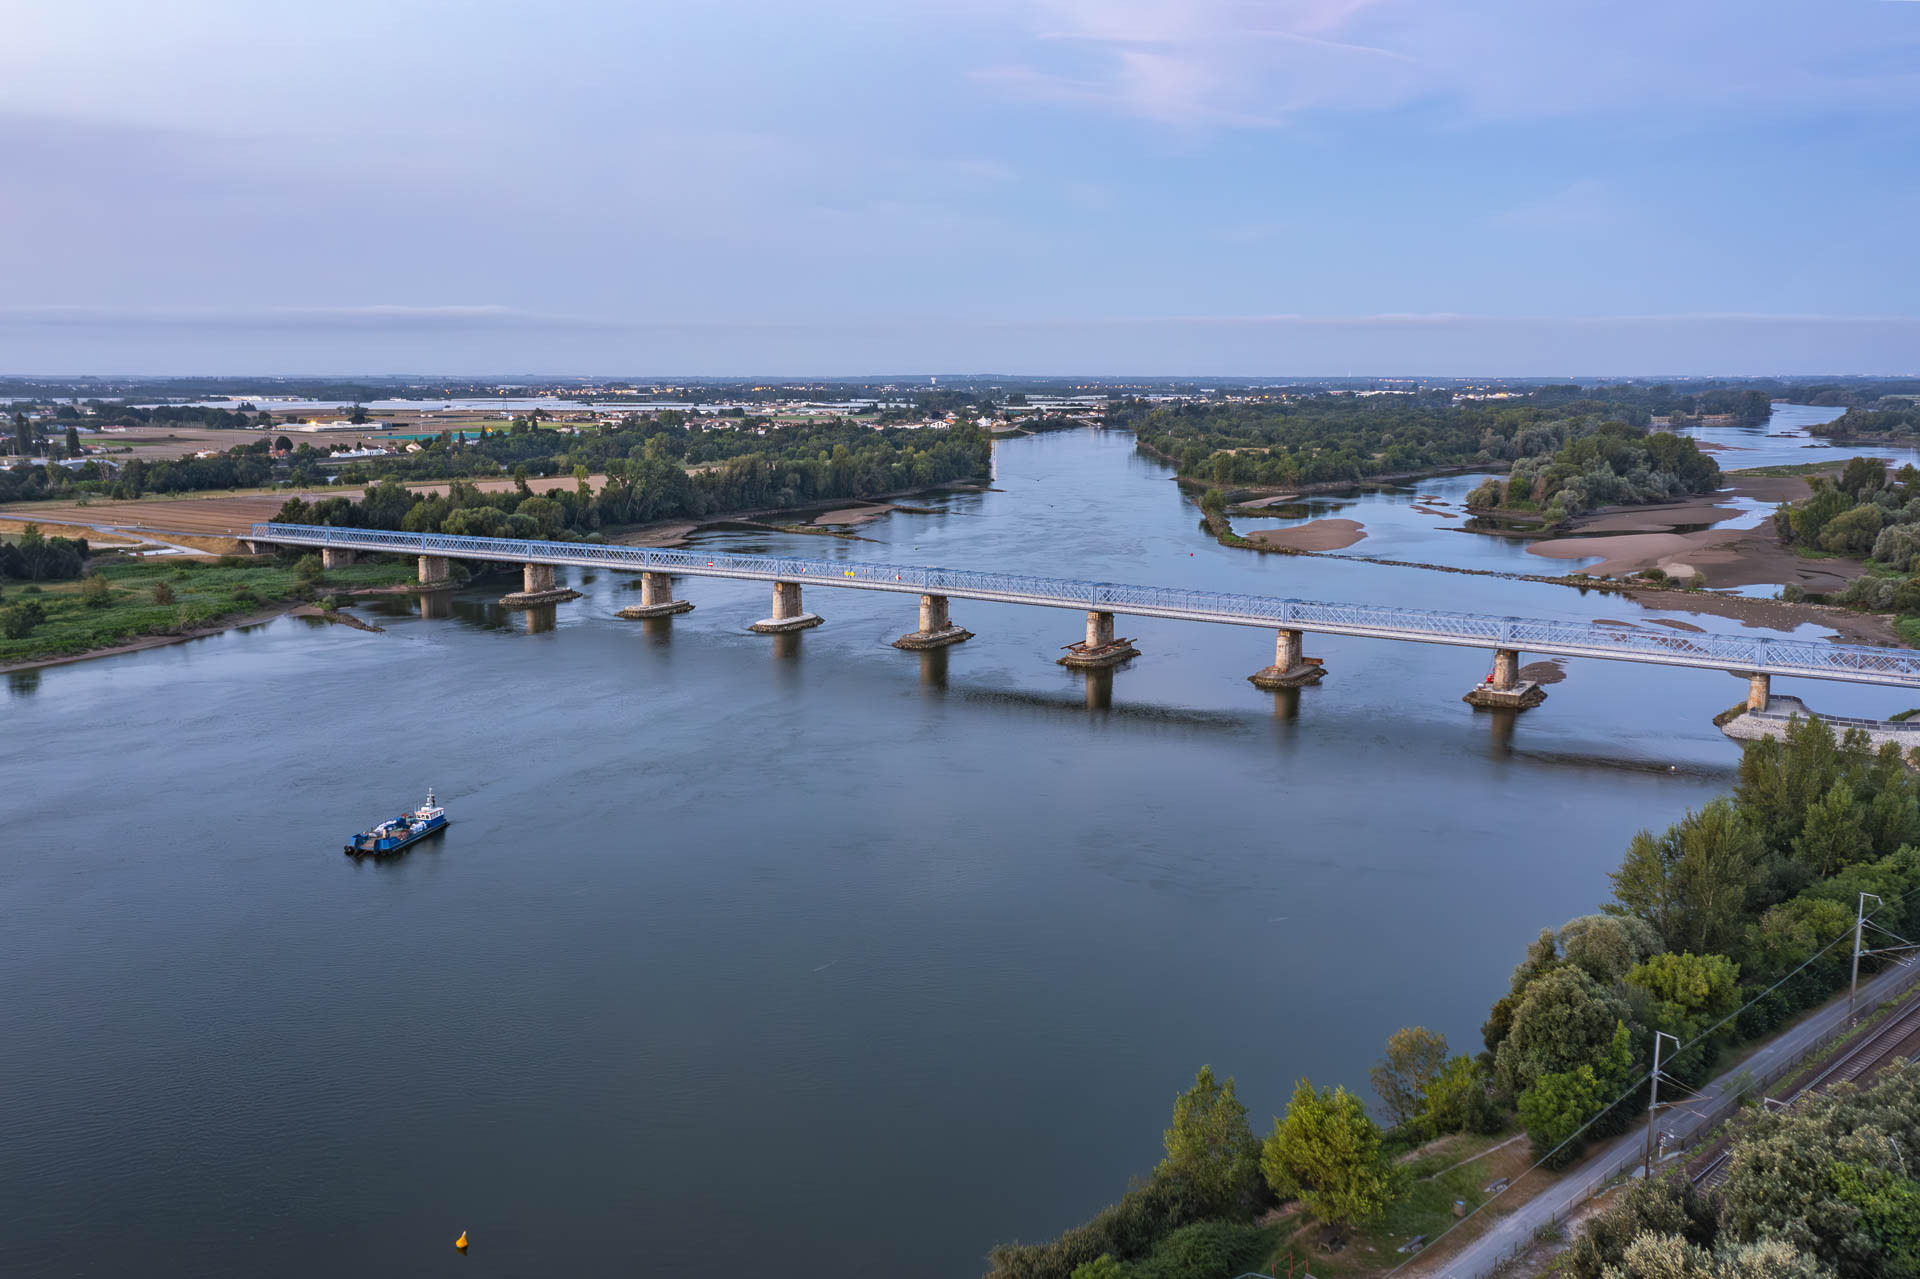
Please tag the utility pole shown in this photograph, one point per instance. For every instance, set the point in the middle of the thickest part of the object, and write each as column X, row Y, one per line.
column 1653, row 1102
column 1859, row 924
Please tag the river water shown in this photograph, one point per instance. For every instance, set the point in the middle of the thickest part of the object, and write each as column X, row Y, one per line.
column 796, row 955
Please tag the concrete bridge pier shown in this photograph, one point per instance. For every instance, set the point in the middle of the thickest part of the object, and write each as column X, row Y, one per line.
column 936, row 626
column 787, row 613
column 436, row 571
column 1101, row 648
column 335, row 557
column 656, row 598
column 537, row 588
column 1504, row 689
column 1759, row 690
column 1291, row 668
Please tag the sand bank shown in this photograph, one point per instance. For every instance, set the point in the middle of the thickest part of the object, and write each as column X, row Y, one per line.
column 1315, row 535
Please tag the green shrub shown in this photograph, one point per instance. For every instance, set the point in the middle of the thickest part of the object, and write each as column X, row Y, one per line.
column 162, row 593
column 307, row 568
column 330, row 604
column 1203, row 1250
column 18, row 620
column 95, row 593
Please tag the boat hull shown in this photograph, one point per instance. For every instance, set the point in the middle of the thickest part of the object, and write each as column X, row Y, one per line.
column 361, row 846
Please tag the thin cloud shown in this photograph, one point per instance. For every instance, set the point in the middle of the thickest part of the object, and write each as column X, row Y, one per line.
column 322, row 318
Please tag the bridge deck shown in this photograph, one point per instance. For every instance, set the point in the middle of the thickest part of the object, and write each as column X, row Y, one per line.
column 1784, row 657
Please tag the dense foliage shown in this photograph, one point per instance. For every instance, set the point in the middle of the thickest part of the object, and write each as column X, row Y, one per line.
column 1818, row 1192
column 34, row 557
column 1614, row 464
column 1331, row 438
column 740, row 465
column 1749, row 892
column 1893, row 416
column 651, row 487
column 1864, row 513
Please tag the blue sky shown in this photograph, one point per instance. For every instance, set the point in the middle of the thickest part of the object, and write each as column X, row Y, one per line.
column 1073, row 186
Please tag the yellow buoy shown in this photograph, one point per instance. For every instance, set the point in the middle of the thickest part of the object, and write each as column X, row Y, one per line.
column 461, row 1242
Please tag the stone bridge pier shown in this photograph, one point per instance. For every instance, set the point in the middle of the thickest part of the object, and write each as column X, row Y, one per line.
column 537, row 588
column 1101, row 648
column 1759, row 690
column 1504, row 689
column 1291, row 668
column 936, row 626
column 656, row 598
column 335, row 557
column 787, row 613
column 435, row 571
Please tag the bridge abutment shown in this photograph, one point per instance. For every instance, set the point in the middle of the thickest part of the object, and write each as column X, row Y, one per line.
column 536, row 587
column 436, row 571
column 335, row 557
column 1504, row 689
column 936, row 626
column 1101, row 647
column 788, row 615
column 1291, row 668
column 656, row 598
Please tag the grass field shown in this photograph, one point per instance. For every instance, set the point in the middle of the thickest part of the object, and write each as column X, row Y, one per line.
column 1454, row 1168
column 164, row 597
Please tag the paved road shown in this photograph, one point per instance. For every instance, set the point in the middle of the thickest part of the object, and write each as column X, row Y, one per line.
column 1483, row 1254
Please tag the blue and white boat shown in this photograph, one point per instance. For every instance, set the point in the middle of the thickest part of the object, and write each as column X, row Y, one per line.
column 403, row 831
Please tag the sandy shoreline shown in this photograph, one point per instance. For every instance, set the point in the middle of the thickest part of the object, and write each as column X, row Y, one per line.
column 1629, row 540
column 1315, row 535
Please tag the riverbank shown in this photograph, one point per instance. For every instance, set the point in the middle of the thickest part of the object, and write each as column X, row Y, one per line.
column 667, row 534
column 152, row 603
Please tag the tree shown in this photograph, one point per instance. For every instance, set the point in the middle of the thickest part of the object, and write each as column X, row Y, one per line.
column 359, row 415
column 1328, row 1153
column 1458, row 1099
column 1671, row 1257
column 95, row 592
column 1564, row 1021
column 1415, row 1057
column 1608, row 946
column 1693, row 883
column 1835, row 832
column 1863, row 477
column 73, row 440
column 1852, row 532
column 1667, row 1205
column 1101, row 1267
column 1562, row 1103
column 1210, row 1148
column 22, row 435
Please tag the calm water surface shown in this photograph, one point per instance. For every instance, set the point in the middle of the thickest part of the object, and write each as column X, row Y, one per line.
column 745, row 955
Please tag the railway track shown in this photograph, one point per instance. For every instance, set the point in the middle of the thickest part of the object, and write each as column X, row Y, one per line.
column 1898, row 1036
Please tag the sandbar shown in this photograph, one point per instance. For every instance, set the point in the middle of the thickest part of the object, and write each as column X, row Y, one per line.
column 1315, row 535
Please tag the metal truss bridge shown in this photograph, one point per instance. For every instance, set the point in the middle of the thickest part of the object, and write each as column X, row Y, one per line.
column 1735, row 653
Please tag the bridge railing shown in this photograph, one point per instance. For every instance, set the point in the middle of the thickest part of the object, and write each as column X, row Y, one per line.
column 1573, row 639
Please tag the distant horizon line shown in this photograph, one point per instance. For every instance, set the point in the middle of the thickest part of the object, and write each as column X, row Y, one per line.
column 527, row 378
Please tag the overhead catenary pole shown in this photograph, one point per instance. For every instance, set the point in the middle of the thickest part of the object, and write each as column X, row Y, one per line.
column 1653, row 1101
column 1859, row 925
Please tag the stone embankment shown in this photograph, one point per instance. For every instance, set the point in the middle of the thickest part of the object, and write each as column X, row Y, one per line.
column 1752, row 725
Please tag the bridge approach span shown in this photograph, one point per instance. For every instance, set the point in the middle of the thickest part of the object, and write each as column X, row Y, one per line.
column 1736, row 653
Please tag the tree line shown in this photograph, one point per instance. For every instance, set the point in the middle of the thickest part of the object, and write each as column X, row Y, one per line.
column 653, row 487
column 1331, row 438
column 1723, row 928
column 778, row 465
column 1612, row 464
